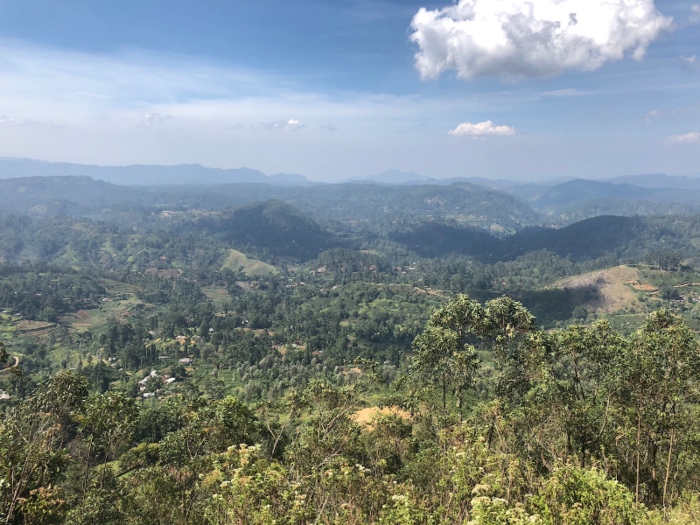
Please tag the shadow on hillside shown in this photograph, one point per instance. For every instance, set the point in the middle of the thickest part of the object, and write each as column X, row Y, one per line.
column 554, row 305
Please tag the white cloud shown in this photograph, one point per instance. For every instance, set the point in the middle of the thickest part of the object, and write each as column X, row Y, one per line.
column 688, row 138
column 655, row 113
column 695, row 16
column 537, row 38
column 285, row 125
column 482, row 129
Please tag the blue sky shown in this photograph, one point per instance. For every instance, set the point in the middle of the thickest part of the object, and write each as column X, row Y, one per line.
column 333, row 89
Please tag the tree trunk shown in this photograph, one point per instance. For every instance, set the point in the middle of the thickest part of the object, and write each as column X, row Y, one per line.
column 639, row 437
column 668, row 464
column 444, row 397
column 87, row 470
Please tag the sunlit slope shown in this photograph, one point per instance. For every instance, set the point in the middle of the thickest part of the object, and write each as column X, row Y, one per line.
column 252, row 268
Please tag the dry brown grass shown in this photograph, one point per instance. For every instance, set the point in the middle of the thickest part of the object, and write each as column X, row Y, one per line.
column 611, row 291
column 365, row 416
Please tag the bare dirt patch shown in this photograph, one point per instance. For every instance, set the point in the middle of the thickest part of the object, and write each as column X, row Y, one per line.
column 365, row 416
column 611, row 291
column 642, row 287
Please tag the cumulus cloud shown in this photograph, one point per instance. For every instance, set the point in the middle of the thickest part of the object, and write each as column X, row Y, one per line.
column 482, row 129
column 688, row 138
column 695, row 16
column 537, row 38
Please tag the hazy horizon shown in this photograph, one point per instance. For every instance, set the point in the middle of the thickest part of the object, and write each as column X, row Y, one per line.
column 390, row 176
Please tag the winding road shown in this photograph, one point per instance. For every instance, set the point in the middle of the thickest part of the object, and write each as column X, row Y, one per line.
column 11, row 367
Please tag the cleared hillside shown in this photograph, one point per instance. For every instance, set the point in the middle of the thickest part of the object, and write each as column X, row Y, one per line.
column 252, row 268
column 606, row 291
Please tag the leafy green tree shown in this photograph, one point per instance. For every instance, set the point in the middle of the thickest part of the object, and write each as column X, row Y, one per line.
column 574, row 382
column 107, row 422
column 33, row 456
column 444, row 357
column 3, row 355
column 659, row 377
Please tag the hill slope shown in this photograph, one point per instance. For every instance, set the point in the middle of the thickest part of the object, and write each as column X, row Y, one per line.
column 272, row 224
column 616, row 237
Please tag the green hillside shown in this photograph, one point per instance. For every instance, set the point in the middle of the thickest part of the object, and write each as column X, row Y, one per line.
column 252, row 268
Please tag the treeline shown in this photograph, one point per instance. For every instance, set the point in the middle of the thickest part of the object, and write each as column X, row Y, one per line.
column 42, row 292
column 495, row 421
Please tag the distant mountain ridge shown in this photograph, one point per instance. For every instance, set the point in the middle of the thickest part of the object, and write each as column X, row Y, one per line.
column 582, row 189
column 144, row 175
column 659, row 181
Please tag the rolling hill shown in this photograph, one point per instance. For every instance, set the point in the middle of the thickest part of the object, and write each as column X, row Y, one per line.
column 273, row 225
column 604, row 236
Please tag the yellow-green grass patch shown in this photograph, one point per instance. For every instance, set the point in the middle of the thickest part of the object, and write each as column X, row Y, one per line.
column 252, row 268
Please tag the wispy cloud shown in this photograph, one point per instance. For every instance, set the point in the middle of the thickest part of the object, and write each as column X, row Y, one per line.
column 92, row 95
column 689, row 63
column 570, row 92
column 7, row 121
column 652, row 115
column 150, row 120
column 695, row 14
column 115, row 91
column 688, row 138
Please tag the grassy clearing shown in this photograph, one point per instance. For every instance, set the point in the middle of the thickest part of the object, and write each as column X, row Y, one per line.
column 26, row 325
column 251, row 267
column 613, row 291
column 219, row 296
column 116, row 287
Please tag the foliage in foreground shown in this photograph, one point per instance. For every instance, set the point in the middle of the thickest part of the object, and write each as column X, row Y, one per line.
column 580, row 426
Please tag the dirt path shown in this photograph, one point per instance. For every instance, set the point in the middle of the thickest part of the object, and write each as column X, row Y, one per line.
column 11, row 367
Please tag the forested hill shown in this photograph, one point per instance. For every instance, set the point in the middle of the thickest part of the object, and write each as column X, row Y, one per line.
column 577, row 190
column 619, row 237
column 361, row 205
column 55, row 195
column 276, row 228
column 468, row 203
column 272, row 224
column 579, row 199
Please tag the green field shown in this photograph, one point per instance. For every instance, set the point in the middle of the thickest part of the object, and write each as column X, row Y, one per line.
column 250, row 267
